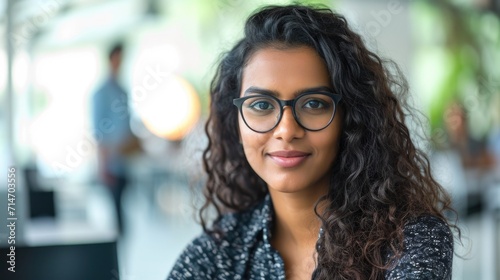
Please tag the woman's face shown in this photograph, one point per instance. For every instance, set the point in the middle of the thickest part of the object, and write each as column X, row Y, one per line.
column 289, row 158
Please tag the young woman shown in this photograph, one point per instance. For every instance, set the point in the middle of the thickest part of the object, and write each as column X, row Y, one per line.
column 311, row 169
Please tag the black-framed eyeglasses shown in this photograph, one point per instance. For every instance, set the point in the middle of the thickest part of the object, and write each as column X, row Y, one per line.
column 313, row 111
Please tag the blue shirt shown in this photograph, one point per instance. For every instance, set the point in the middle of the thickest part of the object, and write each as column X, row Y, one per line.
column 111, row 123
column 245, row 250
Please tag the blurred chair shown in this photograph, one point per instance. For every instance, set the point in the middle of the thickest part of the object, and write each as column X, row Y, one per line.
column 41, row 200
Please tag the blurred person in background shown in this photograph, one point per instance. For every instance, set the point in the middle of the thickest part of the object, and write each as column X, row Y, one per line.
column 474, row 153
column 310, row 167
column 111, row 118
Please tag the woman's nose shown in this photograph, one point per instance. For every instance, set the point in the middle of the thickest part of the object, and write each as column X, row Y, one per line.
column 288, row 128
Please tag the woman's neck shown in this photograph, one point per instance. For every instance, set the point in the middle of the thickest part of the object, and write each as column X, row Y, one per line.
column 295, row 220
column 295, row 232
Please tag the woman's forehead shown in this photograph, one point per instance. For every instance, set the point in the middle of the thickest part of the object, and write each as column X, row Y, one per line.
column 285, row 70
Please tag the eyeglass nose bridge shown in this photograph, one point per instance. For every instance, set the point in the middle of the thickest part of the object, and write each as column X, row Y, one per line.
column 291, row 104
column 284, row 103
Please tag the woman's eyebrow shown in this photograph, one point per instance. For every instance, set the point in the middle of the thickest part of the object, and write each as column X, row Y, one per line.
column 258, row 90
column 315, row 89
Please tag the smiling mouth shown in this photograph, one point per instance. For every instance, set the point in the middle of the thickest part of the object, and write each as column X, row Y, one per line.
column 288, row 159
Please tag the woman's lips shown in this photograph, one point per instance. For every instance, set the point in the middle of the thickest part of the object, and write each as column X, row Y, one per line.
column 288, row 159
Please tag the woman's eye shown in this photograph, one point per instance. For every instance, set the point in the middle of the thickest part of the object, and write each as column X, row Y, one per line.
column 261, row 105
column 314, row 104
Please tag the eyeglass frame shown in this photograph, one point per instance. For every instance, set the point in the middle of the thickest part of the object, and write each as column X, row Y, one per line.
column 238, row 102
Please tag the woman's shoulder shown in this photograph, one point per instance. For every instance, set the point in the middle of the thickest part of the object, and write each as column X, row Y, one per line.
column 428, row 250
column 212, row 251
column 427, row 229
column 195, row 260
column 234, row 227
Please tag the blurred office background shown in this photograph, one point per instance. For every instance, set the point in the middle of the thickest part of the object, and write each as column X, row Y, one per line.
column 53, row 55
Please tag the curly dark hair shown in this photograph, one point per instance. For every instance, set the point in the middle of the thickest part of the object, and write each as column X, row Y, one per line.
column 382, row 180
